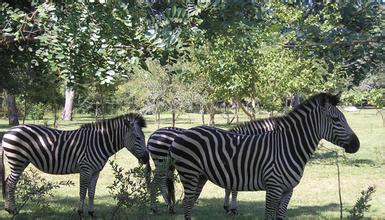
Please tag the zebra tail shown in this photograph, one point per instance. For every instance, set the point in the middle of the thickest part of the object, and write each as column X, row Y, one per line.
column 171, row 186
column 148, row 174
column 2, row 171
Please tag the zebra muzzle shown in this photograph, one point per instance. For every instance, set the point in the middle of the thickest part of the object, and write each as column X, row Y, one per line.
column 353, row 145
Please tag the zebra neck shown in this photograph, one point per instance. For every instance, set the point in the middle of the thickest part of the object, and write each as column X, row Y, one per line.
column 111, row 137
column 302, row 135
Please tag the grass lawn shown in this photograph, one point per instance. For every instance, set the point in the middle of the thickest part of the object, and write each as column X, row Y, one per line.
column 316, row 197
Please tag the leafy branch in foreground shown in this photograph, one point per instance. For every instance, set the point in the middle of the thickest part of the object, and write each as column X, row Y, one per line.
column 362, row 204
column 35, row 189
column 129, row 188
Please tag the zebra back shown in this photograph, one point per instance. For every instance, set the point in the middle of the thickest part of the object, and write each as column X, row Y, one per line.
column 159, row 142
column 256, row 127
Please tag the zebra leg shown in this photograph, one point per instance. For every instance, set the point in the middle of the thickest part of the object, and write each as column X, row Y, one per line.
column 226, row 200
column 283, row 203
column 10, row 186
column 84, row 183
column 192, row 188
column 273, row 197
column 234, row 204
column 91, row 193
column 170, row 188
column 154, row 187
column 201, row 183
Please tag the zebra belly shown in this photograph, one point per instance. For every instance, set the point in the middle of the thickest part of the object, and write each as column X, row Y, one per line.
column 253, row 187
column 230, row 178
column 58, row 167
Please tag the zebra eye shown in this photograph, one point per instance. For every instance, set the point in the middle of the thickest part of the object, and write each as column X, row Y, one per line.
column 336, row 119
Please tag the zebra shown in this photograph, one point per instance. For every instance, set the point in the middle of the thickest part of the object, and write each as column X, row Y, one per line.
column 159, row 144
column 85, row 151
column 272, row 161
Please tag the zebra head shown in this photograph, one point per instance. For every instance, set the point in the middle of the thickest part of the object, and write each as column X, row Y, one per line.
column 134, row 138
column 335, row 127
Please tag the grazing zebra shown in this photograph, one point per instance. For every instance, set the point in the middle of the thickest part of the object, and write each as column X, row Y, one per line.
column 85, row 151
column 272, row 161
column 159, row 144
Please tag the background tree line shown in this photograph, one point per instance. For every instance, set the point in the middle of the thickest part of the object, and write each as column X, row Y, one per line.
column 184, row 55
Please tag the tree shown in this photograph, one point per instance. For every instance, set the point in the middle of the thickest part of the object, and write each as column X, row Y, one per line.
column 376, row 98
column 245, row 58
column 157, row 89
column 82, row 43
column 344, row 32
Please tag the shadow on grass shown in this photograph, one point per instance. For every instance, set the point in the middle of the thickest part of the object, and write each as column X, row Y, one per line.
column 65, row 208
column 329, row 158
column 4, row 127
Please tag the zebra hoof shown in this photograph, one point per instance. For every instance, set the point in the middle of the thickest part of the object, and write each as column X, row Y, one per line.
column 80, row 213
column 92, row 214
column 154, row 210
column 232, row 212
column 171, row 211
column 226, row 208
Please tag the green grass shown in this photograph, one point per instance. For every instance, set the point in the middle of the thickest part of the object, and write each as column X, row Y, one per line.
column 316, row 197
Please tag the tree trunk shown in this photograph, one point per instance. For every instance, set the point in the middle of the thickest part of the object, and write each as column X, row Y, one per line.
column 158, row 118
column 102, row 105
column 227, row 113
column 12, row 110
column 202, row 111
column 211, row 110
column 55, row 118
column 69, row 104
column 250, row 115
column 237, row 112
column 25, row 110
column 254, row 107
column 173, row 118
column 96, row 110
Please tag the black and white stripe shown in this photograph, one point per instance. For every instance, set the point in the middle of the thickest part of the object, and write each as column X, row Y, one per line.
column 84, row 151
column 159, row 144
column 273, row 161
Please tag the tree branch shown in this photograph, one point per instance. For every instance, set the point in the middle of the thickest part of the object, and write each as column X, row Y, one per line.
column 250, row 115
column 352, row 43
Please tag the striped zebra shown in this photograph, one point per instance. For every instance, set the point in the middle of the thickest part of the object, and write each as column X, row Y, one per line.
column 272, row 161
column 159, row 144
column 85, row 151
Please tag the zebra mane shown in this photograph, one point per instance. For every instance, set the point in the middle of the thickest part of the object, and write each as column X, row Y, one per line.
column 137, row 118
column 320, row 99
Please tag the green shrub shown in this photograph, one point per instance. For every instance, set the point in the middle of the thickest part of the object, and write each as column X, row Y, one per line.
column 130, row 188
column 362, row 205
column 35, row 190
column 37, row 111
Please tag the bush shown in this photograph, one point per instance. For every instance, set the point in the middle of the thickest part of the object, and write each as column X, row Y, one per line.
column 35, row 189
column 37, row 111
column 129, row 188
column 362, row 204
